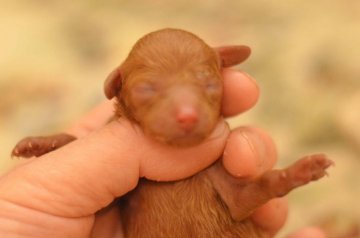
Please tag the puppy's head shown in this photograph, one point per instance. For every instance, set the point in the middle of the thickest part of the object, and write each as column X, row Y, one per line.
column 171, row 85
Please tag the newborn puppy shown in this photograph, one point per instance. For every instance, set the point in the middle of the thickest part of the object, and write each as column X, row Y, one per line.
column 171, row 85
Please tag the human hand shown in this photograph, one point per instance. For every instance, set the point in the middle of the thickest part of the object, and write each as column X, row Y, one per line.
column 58, row 194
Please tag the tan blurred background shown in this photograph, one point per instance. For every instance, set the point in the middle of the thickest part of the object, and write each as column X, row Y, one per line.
column 54, row 56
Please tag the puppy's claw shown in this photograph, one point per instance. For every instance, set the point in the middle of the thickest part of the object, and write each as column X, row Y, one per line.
column 53, row 145
column 15, row 153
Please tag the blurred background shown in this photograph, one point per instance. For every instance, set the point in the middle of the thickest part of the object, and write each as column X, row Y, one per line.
column 55, row 56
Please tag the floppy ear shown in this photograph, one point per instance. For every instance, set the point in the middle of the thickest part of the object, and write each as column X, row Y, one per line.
column 232, row 55
column 112, row 83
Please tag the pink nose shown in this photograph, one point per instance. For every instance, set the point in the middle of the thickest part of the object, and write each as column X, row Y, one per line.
column 187, row 117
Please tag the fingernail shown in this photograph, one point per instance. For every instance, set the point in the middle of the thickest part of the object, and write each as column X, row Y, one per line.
column 252, row 79
column 256, row 145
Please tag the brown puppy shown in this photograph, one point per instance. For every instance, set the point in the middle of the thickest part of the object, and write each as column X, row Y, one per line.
column 170, row 84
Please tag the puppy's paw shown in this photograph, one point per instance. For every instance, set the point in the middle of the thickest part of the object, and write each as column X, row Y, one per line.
column 37, row 146
column 307, row 169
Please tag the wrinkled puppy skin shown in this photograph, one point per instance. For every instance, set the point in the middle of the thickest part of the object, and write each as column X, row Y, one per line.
column 171, row 85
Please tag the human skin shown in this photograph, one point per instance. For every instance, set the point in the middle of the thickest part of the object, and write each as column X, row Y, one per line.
column 58, row 194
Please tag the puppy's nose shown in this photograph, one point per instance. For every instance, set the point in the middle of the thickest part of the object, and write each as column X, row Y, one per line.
column 187, row 117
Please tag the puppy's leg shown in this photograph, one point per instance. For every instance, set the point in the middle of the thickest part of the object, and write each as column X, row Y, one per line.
column 39, row 145
column 242, row 196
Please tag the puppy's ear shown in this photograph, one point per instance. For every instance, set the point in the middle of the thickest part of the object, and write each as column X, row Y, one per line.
column 112, row 83
column 232, row 55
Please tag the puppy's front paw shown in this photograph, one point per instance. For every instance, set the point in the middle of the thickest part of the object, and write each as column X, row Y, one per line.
column 37, row 146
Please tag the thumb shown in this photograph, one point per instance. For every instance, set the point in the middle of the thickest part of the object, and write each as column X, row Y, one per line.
column 87, row 174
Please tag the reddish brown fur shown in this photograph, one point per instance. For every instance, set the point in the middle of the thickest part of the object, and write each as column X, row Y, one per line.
column 188, row 208
column 167, row 70
column 167, row 73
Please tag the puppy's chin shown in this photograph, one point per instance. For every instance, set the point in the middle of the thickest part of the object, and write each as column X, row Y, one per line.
column 185, row 141
column 181, row 140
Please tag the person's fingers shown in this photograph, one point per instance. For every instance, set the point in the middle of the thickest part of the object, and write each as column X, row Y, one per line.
column 240, row 92
column 83, row 177
column 308, row 232
column 19, row 221
column 93, row 120
column 249, row 152
column 271, row 216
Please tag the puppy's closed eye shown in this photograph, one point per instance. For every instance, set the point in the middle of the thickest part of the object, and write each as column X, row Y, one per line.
column 144, row 92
